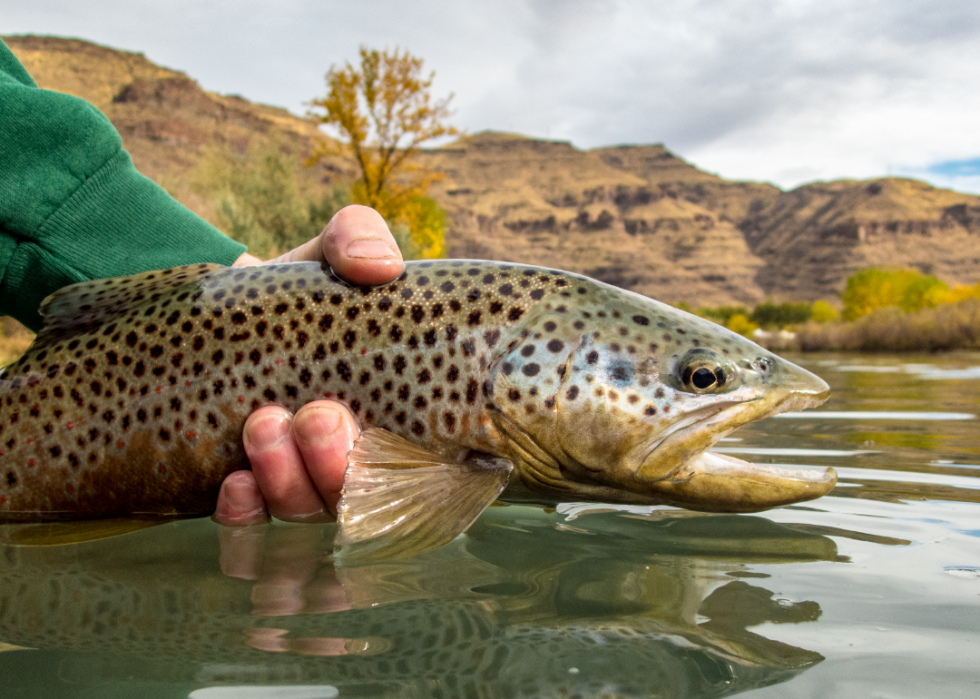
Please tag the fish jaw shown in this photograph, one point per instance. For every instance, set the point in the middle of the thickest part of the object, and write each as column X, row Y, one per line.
column 699, row 480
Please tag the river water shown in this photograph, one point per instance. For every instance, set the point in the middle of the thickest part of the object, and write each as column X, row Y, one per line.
column 873, row 591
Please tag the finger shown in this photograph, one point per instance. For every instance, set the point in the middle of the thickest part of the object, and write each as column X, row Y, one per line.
column 240, row 502
column 291, row 561
column 279, row 469
column 356, row 244
column 325, row 432
column 241, row 551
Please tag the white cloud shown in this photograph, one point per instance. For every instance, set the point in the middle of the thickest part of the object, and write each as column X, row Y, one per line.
column 779, row 90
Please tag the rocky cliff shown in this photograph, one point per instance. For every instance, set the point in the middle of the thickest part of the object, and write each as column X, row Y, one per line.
column 635, row 216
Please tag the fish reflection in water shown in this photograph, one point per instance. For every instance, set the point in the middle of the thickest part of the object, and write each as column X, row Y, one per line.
column 525, row 605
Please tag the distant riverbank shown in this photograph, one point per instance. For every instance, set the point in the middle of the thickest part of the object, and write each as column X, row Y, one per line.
column 941, row 329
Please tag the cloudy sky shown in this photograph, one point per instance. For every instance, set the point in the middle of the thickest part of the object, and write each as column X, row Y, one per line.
column 785, row 91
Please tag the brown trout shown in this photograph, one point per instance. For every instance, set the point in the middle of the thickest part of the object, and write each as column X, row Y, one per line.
column 471, row 379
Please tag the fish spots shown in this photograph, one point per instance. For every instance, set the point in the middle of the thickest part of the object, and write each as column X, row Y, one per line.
column 592, row 357
column 472, row 391
column 399, row 364
column 344, row 371
column 572, row 393
column 527, row 350
column 531, row 369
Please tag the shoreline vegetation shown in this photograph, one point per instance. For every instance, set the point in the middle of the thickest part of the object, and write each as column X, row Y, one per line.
column 883, row 310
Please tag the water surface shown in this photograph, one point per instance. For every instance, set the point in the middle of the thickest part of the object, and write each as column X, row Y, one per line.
column 873, row 591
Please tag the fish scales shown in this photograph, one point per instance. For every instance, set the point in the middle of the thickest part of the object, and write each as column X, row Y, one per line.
column 133, row 397
column 142, row 410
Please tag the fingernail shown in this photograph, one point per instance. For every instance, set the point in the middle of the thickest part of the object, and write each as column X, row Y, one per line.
column 319, row 426
column 268, row 432
column 369, row 248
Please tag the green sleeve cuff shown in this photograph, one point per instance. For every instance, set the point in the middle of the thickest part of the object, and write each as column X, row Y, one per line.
column 118, row 222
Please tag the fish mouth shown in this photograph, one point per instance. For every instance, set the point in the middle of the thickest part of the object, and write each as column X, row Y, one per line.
column 679, row 469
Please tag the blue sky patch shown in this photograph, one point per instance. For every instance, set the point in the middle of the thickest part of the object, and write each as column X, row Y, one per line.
column 956, row 168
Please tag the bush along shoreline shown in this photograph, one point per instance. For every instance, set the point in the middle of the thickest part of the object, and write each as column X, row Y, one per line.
column 883, row 310
column 889, row 329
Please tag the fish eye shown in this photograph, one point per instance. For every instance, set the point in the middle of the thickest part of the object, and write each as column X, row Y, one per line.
column 702, row 371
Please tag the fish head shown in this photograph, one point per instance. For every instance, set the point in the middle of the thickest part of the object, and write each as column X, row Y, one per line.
column 642, row 390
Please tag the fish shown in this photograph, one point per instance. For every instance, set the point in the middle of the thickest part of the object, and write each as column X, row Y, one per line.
column 471, row 380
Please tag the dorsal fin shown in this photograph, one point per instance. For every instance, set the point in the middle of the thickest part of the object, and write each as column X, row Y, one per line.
column 86, row 305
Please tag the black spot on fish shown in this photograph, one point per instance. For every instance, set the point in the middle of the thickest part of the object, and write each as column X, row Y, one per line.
column 352, row 312
column 418, row 314
column 395, row 333
column 592, row 357
column 531, row 369
column 572, row 393
column 472, row 391
column 452, row 374
column 350, row 338
column 515, row 314
column 344, row 371
column 399, row 364
column 469, row 348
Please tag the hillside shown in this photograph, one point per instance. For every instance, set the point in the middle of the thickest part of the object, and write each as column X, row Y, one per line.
column 636, row 216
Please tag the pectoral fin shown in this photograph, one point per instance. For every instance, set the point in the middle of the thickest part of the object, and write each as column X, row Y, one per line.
column 400, row 500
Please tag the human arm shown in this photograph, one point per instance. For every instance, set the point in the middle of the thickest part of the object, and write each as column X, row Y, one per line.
column 72, row 205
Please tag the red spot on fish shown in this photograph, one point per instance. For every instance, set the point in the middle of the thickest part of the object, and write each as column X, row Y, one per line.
column 120, row 444
column 29, row 440
column 241, row 399
column 70, row 425
column 162, row 468
column 187, row 383
column 364, row 351
column 30, row 463
column 278, row 362
column 328, row 394
column 159, row 388
column 3, row 499
column 70, row 488
column 191, row 434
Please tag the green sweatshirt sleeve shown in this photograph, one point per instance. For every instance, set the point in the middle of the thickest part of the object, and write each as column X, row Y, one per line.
column 72, row 205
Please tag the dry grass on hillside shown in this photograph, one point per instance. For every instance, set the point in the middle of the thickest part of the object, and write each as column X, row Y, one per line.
column 14, row 340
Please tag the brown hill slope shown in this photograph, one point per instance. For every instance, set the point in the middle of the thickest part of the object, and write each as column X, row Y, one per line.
column 615, row 214
column 636, row 216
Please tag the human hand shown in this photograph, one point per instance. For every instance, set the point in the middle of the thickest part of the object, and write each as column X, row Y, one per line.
column 298, row 461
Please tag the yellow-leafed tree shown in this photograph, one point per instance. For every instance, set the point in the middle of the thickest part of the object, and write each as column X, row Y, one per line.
column 382, row 112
